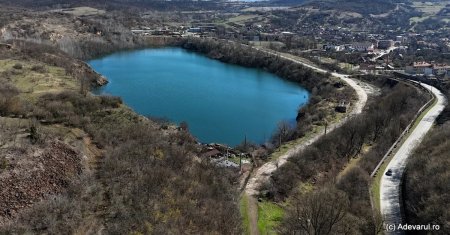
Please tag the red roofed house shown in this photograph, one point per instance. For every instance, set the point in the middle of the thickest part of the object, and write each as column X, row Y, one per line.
column 420, row 68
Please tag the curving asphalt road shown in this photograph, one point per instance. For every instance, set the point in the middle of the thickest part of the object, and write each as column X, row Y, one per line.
column 390, row 186
column 361, row 93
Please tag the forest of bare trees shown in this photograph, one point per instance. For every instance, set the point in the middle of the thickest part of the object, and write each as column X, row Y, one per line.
column 146, row 182
column 366, row 137
column 146, row 179
column 427, row 182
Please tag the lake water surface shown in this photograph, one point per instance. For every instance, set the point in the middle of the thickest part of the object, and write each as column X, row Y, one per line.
column 221, row 103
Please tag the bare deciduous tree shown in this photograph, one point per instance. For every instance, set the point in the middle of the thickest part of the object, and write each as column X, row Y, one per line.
column 318, row 213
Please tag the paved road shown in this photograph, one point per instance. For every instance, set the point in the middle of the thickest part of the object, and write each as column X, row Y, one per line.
column 263, row 173
column 384, row 52
column 361, row 93
column 390, row 185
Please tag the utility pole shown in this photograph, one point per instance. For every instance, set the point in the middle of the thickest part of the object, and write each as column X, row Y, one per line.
column 240, row 154
column 279, row 143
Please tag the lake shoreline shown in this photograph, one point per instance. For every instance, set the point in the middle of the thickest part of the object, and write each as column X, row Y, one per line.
column 217, row 79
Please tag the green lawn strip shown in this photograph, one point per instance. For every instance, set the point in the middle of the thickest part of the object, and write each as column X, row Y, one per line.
column 242, row 18
column 269, row 216
column 243, row 205
column 375, row 188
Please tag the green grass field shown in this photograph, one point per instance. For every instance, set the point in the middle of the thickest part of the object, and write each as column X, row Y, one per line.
column 82, row 11
column 242, row 18
column 243, row 205
column 269, row 216
column 32, row 83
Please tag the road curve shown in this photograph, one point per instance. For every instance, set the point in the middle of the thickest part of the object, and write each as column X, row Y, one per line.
column 360, row 92
column 390, row 185
column 263, row 173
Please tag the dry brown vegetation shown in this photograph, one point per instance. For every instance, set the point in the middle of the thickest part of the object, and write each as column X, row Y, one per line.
column 427, row 182
column 40, row 57
column 146, row 182
column 29, row 174
column 366, row 137
column 81, row 37
column 8, row 98
column 142, row 179
column 321, row 212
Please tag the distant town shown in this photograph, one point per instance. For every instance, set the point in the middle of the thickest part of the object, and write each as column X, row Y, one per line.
column 349, row 49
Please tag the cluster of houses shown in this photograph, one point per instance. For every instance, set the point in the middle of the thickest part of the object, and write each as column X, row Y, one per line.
column 423, row 68
column 363, row 46
column 357, row 46
column 200, row 30
column 224, row 156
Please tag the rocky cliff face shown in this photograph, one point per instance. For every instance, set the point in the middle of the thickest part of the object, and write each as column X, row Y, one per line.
column 79, row 36
column 95, row 78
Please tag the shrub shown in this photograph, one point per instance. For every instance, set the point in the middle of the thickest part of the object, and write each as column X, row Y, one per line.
column 18, row 66
column 111, row 101
column 39, row 69
column 9, row 103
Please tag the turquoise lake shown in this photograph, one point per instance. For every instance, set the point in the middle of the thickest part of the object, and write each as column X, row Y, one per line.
column 221, row 103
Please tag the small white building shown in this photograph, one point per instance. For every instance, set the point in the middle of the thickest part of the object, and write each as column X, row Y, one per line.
column 363, row 46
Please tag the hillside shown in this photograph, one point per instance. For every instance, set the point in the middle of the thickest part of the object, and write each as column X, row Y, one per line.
column 364, row 7
column 72, row 162
column 426, row 186
column 113, row 4
column 80, row 36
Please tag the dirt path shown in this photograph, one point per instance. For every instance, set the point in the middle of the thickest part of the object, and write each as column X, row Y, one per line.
column 263, row 173
column 252, row 211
